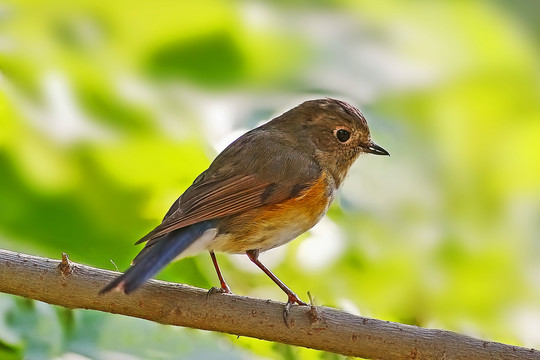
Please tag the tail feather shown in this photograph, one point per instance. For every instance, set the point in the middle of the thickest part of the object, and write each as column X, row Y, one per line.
column 153, row 258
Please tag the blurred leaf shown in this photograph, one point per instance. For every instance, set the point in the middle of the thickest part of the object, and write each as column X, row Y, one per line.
column 212, row 59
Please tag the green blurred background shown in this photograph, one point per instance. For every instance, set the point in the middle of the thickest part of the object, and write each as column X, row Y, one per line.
column 108, row 111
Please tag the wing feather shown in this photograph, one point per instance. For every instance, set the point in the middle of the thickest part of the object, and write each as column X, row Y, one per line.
column 219, row 199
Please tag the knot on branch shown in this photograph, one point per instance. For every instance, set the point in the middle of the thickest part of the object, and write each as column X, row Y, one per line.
column 66, row 266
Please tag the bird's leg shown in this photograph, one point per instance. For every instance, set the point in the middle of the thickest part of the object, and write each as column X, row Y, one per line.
column 293, row 298
column 224, row 289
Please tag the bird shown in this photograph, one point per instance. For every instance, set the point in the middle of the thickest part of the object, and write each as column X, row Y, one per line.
column 267, row 187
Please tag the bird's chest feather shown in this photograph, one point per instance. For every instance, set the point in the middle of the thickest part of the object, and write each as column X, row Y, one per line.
column 273, row 225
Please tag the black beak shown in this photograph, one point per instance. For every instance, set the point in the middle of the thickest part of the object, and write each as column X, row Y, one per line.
column 373, row 148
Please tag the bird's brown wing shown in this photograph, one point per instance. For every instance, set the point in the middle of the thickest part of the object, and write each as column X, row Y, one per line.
column 221, row 198
column 259, row 168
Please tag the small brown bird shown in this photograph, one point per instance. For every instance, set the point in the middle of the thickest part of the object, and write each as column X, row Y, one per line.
column 269, row 186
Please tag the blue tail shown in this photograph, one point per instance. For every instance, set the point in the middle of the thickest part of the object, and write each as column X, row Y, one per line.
column 153, row 258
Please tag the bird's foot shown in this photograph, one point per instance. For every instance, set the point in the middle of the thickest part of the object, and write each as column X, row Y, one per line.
column 218, row 290
column 293, row 299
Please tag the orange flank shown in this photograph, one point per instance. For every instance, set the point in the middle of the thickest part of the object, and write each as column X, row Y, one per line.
column 270, row 226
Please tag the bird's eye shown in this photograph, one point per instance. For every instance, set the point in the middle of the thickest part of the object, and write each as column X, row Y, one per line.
column 342, row 135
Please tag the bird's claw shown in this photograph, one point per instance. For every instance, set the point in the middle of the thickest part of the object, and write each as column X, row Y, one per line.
column 218, row 290
column 293, row 298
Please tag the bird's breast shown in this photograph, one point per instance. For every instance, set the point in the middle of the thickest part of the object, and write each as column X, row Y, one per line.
column 273, row 225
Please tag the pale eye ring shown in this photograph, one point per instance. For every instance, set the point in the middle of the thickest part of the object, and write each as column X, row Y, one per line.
column 342, row 134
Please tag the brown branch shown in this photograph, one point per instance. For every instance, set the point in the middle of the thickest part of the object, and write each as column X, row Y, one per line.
column 73, row 285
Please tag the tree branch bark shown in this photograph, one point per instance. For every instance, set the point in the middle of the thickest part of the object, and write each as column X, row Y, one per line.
column 74, row 285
